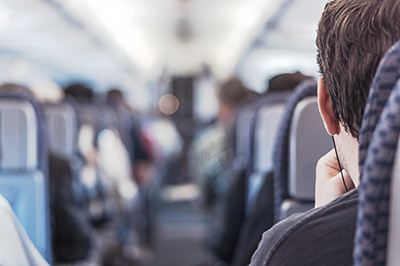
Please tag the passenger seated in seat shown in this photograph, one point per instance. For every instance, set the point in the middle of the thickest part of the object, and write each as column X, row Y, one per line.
column 15, row 246
column 211, row 155
column 352, row 38
column 69, row 225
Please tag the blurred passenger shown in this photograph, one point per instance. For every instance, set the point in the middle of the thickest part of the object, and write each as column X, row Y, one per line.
column 71, row 234
column 79, row 92
column 348, row 58
column 103, row 200
column 15, row 246
column 134, row 139
column 141, row 162
column 71, row 230
column 230, row 95
column 211, row 154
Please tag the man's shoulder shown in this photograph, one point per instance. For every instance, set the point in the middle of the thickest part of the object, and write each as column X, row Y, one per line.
column 301, row 237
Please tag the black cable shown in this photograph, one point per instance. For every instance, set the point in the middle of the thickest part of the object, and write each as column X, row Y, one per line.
column 340, row 166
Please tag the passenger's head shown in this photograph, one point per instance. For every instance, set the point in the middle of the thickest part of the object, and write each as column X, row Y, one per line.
column 115, row 96
column 79, row 92
column 352, row 38
column 285, row 82
column 230, row 95
column 12, row 88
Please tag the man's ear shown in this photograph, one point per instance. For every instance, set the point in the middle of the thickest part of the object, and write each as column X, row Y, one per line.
column 326, row 109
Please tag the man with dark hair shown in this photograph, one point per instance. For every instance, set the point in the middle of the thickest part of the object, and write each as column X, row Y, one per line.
column 230, row 95
column 352, row 38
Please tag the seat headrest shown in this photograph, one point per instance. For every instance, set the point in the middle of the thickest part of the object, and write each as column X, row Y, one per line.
column 19, row 135
column 21, row 94
column 393, row 249
column 374, row 189
column 63, row 128
column 281, row 143
column 308, row 142
column 266, row 130
column 243, row 135
column 386, row 76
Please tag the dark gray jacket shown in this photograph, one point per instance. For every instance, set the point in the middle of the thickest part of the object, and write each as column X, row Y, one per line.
column 321, row 236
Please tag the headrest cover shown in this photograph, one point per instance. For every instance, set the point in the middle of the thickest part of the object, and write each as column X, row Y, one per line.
column 374, row 190
column 385, row 78
column 281, row 147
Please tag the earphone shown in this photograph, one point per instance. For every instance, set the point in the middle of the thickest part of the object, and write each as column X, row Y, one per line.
column 340, row 166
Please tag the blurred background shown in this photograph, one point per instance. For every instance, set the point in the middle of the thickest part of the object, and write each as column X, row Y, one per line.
column 181, row 68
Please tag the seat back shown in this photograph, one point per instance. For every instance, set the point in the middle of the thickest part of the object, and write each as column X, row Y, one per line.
column 243, row 135
column 393, row 251
column 281, row 144
column 374, row 190
column 308, row 142
column 62, row 123
column 265, row 131
column 377, row 144
column 23, row 175
column 267, row 123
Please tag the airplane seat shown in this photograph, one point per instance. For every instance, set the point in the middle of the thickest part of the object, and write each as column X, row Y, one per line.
column 393, row 249
column 243, row 136
column 263, row 130
column 377, row 232
column 282, row 145
column 308, row 142
column 24, row 165
column 234, row 212
column 258, row 185
column 378, row 163
column 63, row 125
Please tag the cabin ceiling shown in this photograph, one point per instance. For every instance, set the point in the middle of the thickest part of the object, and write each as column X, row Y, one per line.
column 129, row 42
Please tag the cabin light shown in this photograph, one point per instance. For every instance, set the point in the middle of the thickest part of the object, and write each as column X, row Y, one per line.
column 117, row 19
column 168, row 104
column 247, row 17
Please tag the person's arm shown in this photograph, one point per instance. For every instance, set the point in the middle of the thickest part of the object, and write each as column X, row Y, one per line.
column 329, row 184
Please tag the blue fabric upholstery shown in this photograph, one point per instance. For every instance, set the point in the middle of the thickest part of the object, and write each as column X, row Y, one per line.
column 386, row 76
column 378, row 141
column 374, row 191
column 271, row 98
column 281, row 147
column 16, row 92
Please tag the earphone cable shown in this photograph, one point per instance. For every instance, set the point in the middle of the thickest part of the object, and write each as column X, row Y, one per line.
column 340, row 166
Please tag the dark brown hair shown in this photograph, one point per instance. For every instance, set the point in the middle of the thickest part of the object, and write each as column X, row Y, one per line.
column 286, row 81
column 232, row 92
column 79, row 92
column 353, row 36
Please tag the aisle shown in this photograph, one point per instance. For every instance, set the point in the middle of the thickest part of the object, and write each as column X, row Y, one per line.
column 179, row 236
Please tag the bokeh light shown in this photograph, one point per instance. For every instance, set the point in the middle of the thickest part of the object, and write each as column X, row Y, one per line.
column 168, row 104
